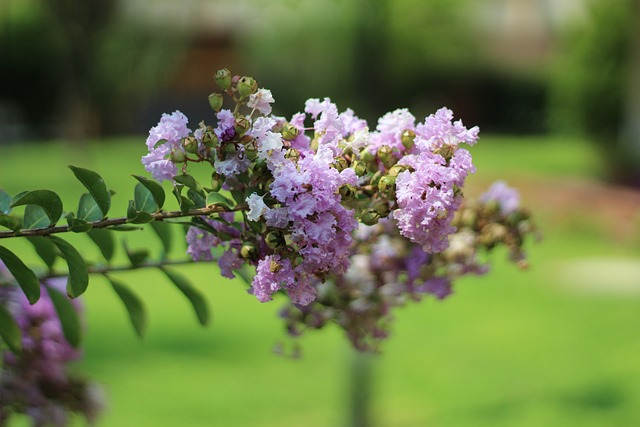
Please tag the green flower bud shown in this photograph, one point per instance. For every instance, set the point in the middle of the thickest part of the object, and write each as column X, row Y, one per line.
column 292, row 154
column 396, row 170
column 382, row 208
column 469, row 218
column 242, row 125
column 289, row 132
column 190, row 144
column 216, row 182
column 223, row 78
column 248, row 250
column 347, row 191
column 387, row 184
column 340, row 164
column 408, row 137
column 251, row 150
column 274, row 239
column 369, row 217
column 215, row 101
column 177, row 156
column 210, row 139
column 384, row 153
column 230, row 148
column 366, row 156
column 359, row 167
column 246, row 86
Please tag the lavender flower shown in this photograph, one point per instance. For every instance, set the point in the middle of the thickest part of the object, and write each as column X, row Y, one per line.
column 507, row 198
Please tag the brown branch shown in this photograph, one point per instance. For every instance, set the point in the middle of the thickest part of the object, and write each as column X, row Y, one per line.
column 110, row 222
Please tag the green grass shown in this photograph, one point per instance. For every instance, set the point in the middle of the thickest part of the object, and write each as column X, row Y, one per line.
column 509, row 349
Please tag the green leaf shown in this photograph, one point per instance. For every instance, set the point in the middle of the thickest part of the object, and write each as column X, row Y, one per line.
column 88, row 209
column 12, row 223
column 219, row 200
column 46, row 199
column 96, row 186
column 184, row 203
column 78, row 275
column 24, row 276
column 154, row 187
column 78, row 225
column 193, row 295
column 136, row 256
column 105, row 242
column 134, row 306
column 245, row 273
column 45, row 249
column 123, row 227
column 137, row 217
column 35, row 217
column 144, row 200
column 163, row 230
column 189, row 182
column 198, row 199
column 5, row 202
column 10, row 331
column 68, row 315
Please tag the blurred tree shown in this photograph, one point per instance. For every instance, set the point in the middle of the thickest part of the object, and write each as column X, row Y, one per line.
column 81, row 68
column 593, row 89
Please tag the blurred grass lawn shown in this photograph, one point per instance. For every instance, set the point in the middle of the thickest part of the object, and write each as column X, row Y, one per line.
column 509, row 349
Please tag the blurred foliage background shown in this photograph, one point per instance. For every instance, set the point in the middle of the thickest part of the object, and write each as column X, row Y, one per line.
column 554, row 88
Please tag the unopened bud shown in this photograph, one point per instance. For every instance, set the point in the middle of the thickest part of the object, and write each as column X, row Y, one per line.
column 215, row 101
column 359, row 167
column 340, row 164
column 396, row 170
column 408, row 137
column 289, row 132
column 385, row 153
column 347, row 191
column 246, row 86
column 248, row 250
column 242, row 125
column 178, row 156
column 387, row 184
column 382, row 208
column 223, row 78
column 190, row 144
column 292, row 154
column 369, row 217
column 251, row 150
column 274, row 239
column 210, row 139
column 230, row 148
column 366, row 156
column 216, row 182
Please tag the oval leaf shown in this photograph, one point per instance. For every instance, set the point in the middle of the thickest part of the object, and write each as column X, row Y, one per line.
column 5, row 202
column 105, row 242
column 10, row 331
column 78, row 275
column 163, row 230
column 143, row 200
column 46, row 199
column 45, row 249
column 68, row 315
column 193, row 295
column 24, row 276
column 136, row 256
column 134, row 306
column 96, row 186
column 88, row 209
column 35, row 217
column 219, row 200
column 154, row 187
column 189, row 182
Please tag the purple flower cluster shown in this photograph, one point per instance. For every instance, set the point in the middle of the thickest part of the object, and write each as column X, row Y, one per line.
column 162, row 141
column 507, row 198
column 428, row 192
column 36, row 382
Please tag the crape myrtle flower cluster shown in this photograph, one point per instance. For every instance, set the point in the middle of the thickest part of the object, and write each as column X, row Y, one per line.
column 388, row 270
column 37, row 382
column 306, row 187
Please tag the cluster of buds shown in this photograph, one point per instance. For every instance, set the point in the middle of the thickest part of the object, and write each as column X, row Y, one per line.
column 37, row 381
column 302, row 186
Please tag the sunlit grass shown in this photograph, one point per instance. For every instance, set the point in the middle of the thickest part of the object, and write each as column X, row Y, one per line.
column 512, row 348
